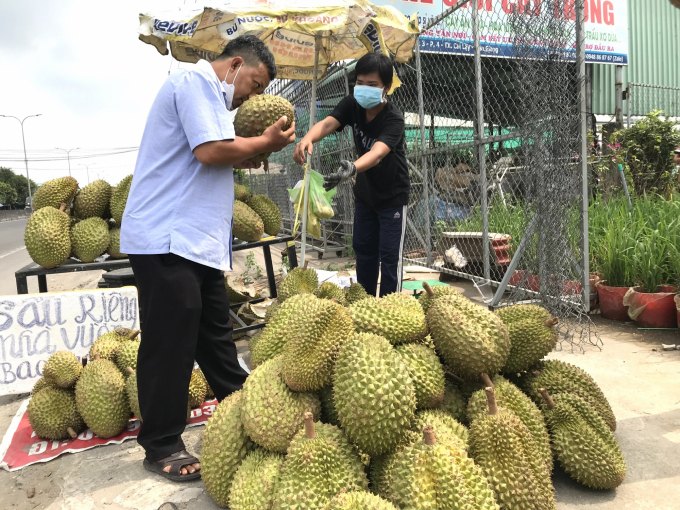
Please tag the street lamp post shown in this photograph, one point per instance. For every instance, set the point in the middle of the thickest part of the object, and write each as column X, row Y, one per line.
column 68, row 156
column 23, row 138
column 87, row 167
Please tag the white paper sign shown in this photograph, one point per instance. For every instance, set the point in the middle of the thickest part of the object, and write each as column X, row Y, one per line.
column 34, row 326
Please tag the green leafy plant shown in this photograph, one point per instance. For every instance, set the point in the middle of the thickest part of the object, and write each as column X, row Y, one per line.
column 647, row 148
column 253, row 270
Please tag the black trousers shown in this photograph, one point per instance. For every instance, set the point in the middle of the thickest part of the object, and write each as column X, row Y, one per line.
column 378, row 243
column 185, row 312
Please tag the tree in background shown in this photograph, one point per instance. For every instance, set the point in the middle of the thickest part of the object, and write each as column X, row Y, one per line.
column 8, row 194
column 18, row 183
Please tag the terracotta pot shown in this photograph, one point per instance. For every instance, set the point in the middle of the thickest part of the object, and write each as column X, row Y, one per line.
column 653, row 309
column 531, row 281
column 611, row 302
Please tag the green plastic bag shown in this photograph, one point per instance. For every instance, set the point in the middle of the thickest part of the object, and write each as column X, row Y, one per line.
column 319, row 198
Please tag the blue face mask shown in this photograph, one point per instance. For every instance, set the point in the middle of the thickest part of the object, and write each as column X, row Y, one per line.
column 368, row 97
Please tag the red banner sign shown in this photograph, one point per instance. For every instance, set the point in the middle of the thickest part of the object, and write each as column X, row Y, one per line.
column 21, row 447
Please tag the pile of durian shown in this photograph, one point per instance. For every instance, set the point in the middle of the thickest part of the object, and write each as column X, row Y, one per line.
column 358, row 403
column 100, row 394
column 254, row 215
column 72, row 222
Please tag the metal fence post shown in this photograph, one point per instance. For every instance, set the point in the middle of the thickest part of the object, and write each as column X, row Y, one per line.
column 423, row 159
column 581, row 69
column 480, row 140
column 618, row 78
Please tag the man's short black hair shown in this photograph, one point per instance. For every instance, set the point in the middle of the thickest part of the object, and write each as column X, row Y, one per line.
column 252, row 51
column 375, row 63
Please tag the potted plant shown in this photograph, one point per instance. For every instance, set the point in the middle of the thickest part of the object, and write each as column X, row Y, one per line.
column 614, row 252
column 652, row 303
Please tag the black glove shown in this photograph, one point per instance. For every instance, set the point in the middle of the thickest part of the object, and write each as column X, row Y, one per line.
column 346, row 171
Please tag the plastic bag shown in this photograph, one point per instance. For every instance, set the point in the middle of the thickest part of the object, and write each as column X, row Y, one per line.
column 319, row 202
column 319, row 198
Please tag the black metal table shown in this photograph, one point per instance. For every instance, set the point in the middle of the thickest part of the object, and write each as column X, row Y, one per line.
column 73, row 266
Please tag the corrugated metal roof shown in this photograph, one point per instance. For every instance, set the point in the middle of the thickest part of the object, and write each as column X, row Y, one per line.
column 654, row 54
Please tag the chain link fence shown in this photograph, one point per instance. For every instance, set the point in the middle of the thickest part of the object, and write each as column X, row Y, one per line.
column 495, row 148
column 643, row 99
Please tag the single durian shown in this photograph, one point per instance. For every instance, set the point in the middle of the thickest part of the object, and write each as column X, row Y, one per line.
column 92, row 200
column 126, row 355
column 40, row 384
column 209, row 394
column 256, row 481
column 298, row 281
column 268, row 211
column 119, row 198
column 198, row 388
column 260, row 112
column 583, row 444
column 271, row 412
column 316, row 331
column 328, row 290
column 505, row 450
column 393, row 317
column 435, row 473
column 90, row 239
column 355, row 292
column 532, row 335
column 241, row 192
column 114, row 244
column 55, row 192
column 101, row 398
column 106, row 347
column 53, row 415
column 247, row 225
column 275, row 335
column 374, row 394
column 358, row 500
column 454, row 403
column 62, row 369
column 320, row 463
column 131, row 391
column 224, row 446
column 48, row 237
column 427, row 374
column 471, row 339
column 560, row 377
column 510, row 397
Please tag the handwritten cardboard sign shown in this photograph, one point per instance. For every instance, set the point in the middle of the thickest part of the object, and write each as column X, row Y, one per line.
column 34, row 326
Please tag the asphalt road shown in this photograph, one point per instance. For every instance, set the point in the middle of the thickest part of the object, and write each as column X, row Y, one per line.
column 13, row 255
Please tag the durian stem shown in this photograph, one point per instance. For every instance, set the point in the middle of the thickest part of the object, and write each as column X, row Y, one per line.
column 547, row 398
column 551, row 323
column 305, row 266
column 428, row 289
column 97, row 356
column 351, row 281
column 429, row 436
column 62, row 207
column 310, row 431
column 71, row 433
column 487, row 381
column 491, row 400
column 135, row 334
column 454, row 377
column 129, row 370
column 84, row 361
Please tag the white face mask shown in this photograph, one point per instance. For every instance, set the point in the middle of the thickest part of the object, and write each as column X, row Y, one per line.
column 229, row 89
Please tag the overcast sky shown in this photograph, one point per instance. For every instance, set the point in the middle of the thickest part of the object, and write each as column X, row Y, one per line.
column 79, row 64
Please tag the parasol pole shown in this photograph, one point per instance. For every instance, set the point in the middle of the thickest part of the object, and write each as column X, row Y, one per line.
column 312, row 121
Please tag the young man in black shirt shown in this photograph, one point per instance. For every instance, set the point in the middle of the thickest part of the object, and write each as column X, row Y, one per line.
column 382, row 180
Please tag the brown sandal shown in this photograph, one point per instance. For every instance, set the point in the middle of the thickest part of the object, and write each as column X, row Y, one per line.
column 176, row 461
